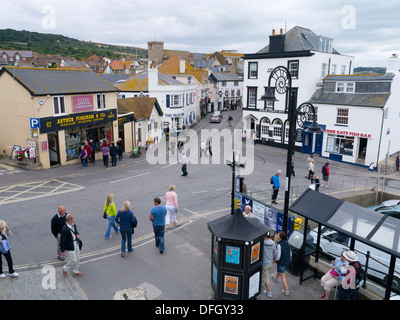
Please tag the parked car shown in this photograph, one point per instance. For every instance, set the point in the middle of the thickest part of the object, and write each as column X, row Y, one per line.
column 333, row 243
column 390, row 207
column 215, row 118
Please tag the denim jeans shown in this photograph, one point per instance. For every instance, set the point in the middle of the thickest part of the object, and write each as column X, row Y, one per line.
column 105, row 160
column 159, row 236
column 126, row 234
column 111, row 223
column 83, row 162
column 113, row 161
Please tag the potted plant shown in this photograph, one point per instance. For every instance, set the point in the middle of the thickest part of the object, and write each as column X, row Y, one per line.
column 20, row 155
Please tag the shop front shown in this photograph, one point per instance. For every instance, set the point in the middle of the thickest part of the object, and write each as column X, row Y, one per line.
column 65, row 134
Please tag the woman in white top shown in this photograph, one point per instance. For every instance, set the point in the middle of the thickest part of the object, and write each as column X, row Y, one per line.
column 171, row 204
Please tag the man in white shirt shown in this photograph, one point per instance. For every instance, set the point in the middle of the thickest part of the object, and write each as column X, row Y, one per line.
column 184, row 162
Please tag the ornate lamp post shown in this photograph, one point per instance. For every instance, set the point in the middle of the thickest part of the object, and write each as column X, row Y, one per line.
column 281, row 82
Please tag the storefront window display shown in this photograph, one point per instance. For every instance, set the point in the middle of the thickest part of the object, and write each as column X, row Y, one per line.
column 75, row 137
column 340, row 144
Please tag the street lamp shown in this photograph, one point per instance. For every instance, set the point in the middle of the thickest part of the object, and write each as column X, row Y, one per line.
column 234, row 165
column 280, row 81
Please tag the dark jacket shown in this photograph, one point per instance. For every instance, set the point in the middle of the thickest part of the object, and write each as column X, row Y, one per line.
column 57, row 224
column 67, row 240
column 285, row 253
column 113, row 151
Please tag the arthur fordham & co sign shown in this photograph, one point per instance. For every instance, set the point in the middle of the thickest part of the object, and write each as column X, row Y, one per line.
column 82, row 119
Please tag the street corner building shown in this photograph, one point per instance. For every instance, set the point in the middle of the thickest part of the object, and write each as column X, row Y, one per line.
column 54, row 111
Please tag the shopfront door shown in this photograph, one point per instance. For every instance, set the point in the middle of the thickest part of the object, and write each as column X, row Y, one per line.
column 54, row 150
column 362, row 150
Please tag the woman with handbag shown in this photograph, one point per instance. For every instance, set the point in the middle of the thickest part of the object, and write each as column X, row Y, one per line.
column 111, row 212
column 334, row 276
column 5, row 250
column 171, row 204
column 127, row 222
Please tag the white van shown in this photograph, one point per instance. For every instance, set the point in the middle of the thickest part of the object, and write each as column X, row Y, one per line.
column 333, row 243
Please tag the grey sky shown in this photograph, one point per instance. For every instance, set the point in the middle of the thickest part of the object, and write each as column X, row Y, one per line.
column 366, row 29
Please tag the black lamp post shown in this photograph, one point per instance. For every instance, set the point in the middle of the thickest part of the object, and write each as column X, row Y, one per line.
column 281, row 82
column 234, row 165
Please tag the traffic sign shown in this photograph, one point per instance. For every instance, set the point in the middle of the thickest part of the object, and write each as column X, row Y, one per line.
column 35, row 123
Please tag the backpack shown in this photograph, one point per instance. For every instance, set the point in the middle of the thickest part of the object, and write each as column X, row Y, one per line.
column 360, row 273
column 271, row 181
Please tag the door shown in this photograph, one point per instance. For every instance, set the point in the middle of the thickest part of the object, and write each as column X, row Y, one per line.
column 362, row 150
column 54, row 150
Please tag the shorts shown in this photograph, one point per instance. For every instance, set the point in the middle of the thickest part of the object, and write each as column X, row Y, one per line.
column 265, row 273
column 280, row 268
column 325, row 178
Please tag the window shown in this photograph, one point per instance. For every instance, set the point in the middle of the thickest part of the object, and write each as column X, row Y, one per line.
column 324, row 70
column 293, row 67
column 347, row 87
column 342, row 116
column 101, row 101
column 343, row 69
column 223, row 84
column 58, row 105
column 252, row 97
column 236, row 83
column 333, row 69
column 175, row 100
column 253, row 70
column 340, row 144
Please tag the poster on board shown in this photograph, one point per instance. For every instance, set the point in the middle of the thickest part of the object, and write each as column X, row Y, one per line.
column 231, row 285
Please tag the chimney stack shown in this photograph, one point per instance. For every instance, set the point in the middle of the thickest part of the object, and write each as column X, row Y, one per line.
column 277, row 42
column 393, row 64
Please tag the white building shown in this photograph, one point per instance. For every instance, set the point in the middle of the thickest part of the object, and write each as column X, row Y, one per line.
column 229, row 86
column 360, row 116
column 177, row 100
column 309, row 58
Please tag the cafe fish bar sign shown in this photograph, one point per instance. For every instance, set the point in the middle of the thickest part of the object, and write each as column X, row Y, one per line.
column 50, row 124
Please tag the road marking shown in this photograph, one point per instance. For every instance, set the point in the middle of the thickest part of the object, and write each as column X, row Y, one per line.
column 139, row 175
column 199, row 192
column 34, row 190
column 172, row 164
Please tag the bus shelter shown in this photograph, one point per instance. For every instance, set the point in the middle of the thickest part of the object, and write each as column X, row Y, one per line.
column 376, row 230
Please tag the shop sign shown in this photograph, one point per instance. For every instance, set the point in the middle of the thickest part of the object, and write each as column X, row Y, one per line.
column 348, row 133
column 82, row 103
column 126, row 119
column 82, row 119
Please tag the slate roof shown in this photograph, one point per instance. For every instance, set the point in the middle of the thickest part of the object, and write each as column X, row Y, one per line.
column 40, row 81
column 360, row 77
column 225, row 76
column 350, row 99
column 140, row 106
column 299, row 39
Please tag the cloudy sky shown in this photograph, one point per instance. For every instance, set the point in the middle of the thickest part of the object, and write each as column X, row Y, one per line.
column 366, row 29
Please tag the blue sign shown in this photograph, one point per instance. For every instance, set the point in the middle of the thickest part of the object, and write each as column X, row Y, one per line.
column 35, row 123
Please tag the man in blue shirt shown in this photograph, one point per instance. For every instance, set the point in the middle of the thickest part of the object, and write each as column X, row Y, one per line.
column 157, row 217
column 275, row 186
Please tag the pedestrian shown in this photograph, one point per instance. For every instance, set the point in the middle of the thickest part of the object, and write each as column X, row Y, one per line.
column 209, row 145
column 106, row 151
column 230, row 120
column 171, row 204
column 316, row 182
column 184, row 162
column 126, row 220
column 120, row 146
column 353, row 279
column 83, row 155
column 57, row 223
column 292, row 168
column 244, row 136
column 111, row 213
column 334, row 276
column 68, row 242
column 247, row 212
column 283, row 259
column 203, row 148
column 93, row 147
column 5, row 250
column 113, row 154
column 157, row 217
column 325, row 175
column 275, row 186
column 310, row 157
column 311, row 168
column 254, row 138
column 269, row 255
column 89, row 152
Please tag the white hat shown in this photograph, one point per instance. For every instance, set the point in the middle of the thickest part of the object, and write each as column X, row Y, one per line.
column 350, row 256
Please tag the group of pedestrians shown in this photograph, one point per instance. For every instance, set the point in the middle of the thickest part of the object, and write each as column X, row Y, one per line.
column 279, row 253
column 87, row 153
column 113, row 151
column 311, row 175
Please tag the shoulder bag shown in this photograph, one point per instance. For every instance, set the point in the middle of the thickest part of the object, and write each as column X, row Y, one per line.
column 105, row 213
column 78, row 241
